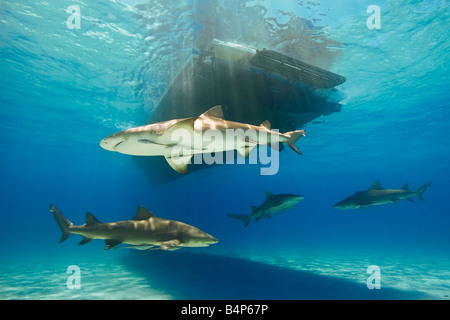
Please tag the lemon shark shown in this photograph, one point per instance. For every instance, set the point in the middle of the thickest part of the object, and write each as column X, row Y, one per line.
column 144, row 231
column 376, row 195
column 274, row 203
column 179, row 139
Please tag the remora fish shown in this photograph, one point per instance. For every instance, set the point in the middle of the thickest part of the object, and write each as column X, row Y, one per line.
column 179, row 139
column 376, row 195
column 144, row 231
column 274, row 203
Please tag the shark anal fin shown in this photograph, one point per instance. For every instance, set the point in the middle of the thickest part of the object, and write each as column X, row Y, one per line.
column 170, row 245
column 409, row 199
column 179, row 164
column 110, row 243
column 85, row 240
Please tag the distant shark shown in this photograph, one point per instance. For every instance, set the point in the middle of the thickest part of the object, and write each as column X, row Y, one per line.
column 163, row 138
column 376, row 195
column 144, row 231
column 274, row 203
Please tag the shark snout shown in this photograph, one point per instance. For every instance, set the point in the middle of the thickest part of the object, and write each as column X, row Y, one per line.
column 110, row 143
column 213, row 240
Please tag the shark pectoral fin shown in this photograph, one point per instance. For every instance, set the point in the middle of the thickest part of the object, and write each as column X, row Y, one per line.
column 110, row 243
column 170, row 245
column 85, row 240
column 182, row 126
column 245, row 150
column 179, row 164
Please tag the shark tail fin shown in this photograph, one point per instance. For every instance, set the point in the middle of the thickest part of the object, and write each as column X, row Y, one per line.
column 422, row 190
column 293, row 136
column 63, row 223
column 242, row 217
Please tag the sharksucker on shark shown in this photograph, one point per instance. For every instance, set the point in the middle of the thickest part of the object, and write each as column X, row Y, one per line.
column 163, row 138
column 376, row 195
column 274, row 203
column 145, row 231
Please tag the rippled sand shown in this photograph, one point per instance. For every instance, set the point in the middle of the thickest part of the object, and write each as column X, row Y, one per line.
column 198, row 275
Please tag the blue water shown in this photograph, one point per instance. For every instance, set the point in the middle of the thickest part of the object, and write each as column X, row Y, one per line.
column 63, row 90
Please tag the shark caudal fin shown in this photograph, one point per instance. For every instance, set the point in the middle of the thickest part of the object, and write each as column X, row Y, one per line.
column 422, row 189
column 63, row 223
column 293, row 136
column 242, row 217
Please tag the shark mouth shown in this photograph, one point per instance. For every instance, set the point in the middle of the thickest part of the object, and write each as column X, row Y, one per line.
column 114, row 148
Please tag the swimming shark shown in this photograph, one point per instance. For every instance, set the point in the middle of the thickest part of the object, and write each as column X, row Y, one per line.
column 274, row 203
column 376, row 195
column 144, row 231
column 179, row 139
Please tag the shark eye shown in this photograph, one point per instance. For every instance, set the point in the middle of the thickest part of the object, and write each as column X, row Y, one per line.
column 144, row 141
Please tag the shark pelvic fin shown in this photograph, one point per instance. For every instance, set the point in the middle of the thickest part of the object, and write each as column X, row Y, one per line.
column 110, row 243
column 376, row 186
column 90, row 219
column 143, row 214
column 214, row 112
column 179, row 164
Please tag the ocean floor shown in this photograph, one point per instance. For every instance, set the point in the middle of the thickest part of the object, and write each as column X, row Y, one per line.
column 194, row 274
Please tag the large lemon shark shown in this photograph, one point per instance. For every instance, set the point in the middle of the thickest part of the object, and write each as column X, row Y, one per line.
column 377, row 195
column 179, row 139
column 144, row 231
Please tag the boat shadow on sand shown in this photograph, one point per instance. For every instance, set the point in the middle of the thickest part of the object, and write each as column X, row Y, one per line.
column 199, row 276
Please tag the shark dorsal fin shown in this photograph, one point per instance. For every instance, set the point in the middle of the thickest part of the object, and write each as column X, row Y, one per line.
column 143, row 214
column 90, row 219
column 269, row 194
column 266, row 124
column 406, row 186
column 253, row 208
column 376, row 186
column 214, row 112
